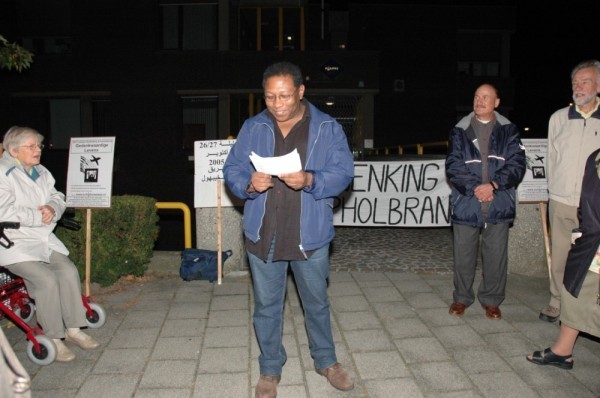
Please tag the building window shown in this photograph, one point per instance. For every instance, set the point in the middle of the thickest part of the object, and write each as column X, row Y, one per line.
column 65, row 121
column 490, row 69
column 189, row 26
column 199, row 119
column 77, row 117
column 47, row 45
column 270, row 28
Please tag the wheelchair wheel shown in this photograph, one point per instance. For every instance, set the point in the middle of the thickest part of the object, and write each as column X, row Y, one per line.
column 26, row 312
column 47, row 353
column 97, row 318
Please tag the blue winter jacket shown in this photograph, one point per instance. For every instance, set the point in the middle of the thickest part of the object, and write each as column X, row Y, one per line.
column 328, row 157
column 506, row 166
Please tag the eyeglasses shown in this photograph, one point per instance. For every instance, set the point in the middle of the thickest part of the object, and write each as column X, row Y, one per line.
column 33, row 147
column 281, row 97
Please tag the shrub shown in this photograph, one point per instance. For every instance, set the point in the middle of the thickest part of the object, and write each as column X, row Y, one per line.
column 121, row 242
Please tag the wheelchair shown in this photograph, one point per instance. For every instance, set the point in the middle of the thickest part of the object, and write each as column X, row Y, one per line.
column 19, row 308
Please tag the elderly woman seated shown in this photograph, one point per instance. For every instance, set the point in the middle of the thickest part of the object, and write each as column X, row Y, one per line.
column 28, row 196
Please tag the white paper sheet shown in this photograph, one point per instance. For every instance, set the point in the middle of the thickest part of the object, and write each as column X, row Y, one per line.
column 277, row 165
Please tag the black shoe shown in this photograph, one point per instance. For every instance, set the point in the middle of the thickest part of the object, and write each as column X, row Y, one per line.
column 550, row 314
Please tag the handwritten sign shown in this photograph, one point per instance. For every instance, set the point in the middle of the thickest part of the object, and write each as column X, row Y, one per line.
column 89, row 175
column 395, row 194
column 209, row 158
column 534, row 187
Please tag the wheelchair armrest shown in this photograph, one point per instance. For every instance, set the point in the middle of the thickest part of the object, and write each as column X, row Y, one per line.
column 10, row 224
column 4, row 241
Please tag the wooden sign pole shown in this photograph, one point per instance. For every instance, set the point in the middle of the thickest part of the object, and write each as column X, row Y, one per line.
column 219, row 250
column 546, row 237
column 88, row 251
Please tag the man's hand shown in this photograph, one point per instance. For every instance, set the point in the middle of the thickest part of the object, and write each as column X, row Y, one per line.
column 260, row 182
column 47, row 213
column 484, row 192
column 297, row 180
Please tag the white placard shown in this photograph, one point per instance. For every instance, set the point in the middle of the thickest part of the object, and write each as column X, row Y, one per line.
column 534, row 187
column 209, row 158
column 89, row 176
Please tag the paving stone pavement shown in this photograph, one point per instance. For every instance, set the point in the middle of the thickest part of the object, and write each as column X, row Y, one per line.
column 389, row 290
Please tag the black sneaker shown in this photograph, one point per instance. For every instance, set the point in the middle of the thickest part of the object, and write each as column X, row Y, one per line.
column 550, row 314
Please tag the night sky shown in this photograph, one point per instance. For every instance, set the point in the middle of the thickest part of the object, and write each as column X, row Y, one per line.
column 549, row 42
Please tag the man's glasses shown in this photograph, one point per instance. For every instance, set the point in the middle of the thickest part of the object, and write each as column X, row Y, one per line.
column 33, row 147
column 281, row 97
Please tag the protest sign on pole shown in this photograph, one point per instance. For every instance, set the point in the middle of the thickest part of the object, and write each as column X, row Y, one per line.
column 209, row 158
column 89, row 182
column 534, row 187
column 89, row 176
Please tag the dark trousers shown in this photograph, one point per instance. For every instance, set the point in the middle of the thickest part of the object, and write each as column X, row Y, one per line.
column 494, row 255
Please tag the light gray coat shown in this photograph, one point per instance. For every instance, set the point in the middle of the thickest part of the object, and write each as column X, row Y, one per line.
column 20, row 198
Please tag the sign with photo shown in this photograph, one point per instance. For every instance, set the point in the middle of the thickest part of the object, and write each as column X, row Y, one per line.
column 534, row 187
column 89, row 175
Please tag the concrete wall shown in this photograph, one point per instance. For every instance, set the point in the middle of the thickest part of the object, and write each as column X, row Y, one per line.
column 231, row 235
column 526, row 247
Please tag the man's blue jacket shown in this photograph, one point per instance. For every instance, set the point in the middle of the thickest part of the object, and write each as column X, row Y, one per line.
column 328, row 157
column 506, row 166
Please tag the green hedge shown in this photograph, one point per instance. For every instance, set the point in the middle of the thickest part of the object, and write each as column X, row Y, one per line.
column 122, row 238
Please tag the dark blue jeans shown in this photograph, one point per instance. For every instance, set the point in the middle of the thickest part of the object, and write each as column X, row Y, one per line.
column 270, row 282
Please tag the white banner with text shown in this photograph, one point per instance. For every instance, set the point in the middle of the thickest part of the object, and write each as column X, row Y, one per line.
column 395, row 194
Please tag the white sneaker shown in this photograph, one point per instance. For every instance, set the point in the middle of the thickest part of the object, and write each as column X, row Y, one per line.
column 63, row 354
column 81, row 339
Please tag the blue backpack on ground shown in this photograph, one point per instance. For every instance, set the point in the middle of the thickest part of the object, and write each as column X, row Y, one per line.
column 201, row 264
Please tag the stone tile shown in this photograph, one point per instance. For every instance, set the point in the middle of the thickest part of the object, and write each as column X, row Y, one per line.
column 224, row 385
column 380, row 365
column 338, row 289
column 394, row 309
column 188, row 310
column 393, row 388
column 368, row 340
column 503, row 384
column 440, row 376
column 183, row 327
column 382, row 294
column 230, row 336
column 177, row 348
column 132, row 360
column 349, row 303
column 114, row 386
column 143, row 319
column 421, row 349
column 403, row 328
column 139, row 338
column 229, row 318
column 420, row 300
column 453, row 337
column 169, row 374
column 231, row 302
column 223, row 360
column 358, row 320
column 479, row 359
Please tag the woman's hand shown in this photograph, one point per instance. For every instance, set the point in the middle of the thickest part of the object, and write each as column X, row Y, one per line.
column 47, row 213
